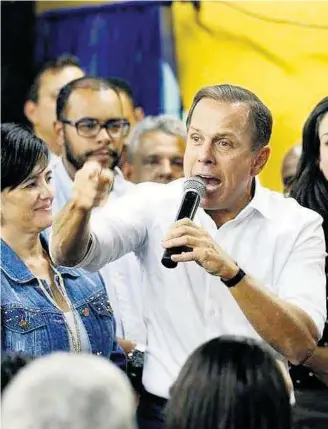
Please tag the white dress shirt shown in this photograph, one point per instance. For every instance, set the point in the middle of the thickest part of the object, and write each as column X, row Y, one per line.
column 122, row 277
column 274, row 239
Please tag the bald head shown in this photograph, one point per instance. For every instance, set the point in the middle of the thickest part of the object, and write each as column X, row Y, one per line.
column 289, row 167
column 68, row 391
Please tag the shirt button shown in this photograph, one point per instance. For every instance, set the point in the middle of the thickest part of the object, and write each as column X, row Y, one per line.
column 23, row 324
column 311, row 374
column 85, row 311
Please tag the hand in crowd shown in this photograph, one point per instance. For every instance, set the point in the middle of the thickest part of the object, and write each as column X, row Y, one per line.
column 91, row 185
column 204, row 250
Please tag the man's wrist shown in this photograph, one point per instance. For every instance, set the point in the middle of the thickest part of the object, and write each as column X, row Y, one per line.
column 229, row 272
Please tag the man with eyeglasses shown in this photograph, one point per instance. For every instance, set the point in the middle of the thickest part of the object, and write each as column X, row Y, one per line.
column 90, row 126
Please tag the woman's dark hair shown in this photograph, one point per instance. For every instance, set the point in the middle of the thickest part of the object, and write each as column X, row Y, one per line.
column 21, row 151
column 229, row 383
column 310, row 186
column 11, row 364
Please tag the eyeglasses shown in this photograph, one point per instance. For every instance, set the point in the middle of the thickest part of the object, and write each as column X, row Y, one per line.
column 87, row 127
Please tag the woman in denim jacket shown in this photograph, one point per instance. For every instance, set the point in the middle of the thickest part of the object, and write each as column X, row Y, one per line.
column 44, row 307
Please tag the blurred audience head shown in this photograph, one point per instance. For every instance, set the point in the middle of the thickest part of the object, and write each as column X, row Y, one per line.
column 155, row 150
column 230, row 383
column 69, row 391
column 310, row 187
column 289, row 167
column 26, row 190
column 11, row 364
column 40, row 107
column 90, row 123
column 131, row 110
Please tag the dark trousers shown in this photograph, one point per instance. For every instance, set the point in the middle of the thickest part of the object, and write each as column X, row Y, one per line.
column 311, row 409
column 150, row 412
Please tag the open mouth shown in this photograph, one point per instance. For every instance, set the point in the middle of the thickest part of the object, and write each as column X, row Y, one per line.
column 211, row 182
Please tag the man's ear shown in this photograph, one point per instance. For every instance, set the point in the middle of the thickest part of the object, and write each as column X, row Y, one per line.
column 30, row 111
column 260, row 160
column 139, row 113
column 59, row 133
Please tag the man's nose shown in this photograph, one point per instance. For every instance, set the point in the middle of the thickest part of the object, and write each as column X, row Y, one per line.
column 166, row 167
column 205, row 154
column 103, row 136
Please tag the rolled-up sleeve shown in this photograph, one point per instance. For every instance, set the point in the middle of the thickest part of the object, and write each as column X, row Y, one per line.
column 303, row 279
column 117, row 228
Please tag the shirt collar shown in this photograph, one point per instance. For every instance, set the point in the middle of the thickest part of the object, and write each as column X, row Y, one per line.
column 259, row 202
column 15, row 268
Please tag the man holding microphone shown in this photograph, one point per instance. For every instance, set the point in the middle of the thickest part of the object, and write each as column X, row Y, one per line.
column 253, row 263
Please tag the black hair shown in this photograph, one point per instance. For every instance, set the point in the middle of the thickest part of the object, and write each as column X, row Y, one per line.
column 229, row 383
column 11, row 364
column 122, row 85
column 260, row 115
column 86, row 82
column 21, row 151
column 56, row 64
column 310, row 187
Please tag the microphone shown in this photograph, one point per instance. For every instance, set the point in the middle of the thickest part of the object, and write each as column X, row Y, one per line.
column 194, row 190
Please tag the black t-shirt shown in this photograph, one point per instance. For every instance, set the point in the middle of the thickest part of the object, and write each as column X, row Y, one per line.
column 304, row 378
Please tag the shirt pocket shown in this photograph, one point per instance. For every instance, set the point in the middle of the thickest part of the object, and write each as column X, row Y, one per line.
column 97, row 317
column 25, row 331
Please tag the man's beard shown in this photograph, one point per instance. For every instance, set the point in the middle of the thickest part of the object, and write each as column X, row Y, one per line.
column 77, row 161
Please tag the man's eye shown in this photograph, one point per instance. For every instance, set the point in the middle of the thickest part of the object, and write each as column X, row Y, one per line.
column 30, row 185
column 224, row 143
column 151, row 161
column 89, row 125
column 177, row 162
column 195, row 138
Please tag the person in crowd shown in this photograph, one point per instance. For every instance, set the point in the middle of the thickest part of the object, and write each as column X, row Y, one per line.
column 155, row 150
column 67, row 391
column 11, row 364
column 44, row 307
column 131, row 111
column 224, row 384
column 310, row 189
column 289, row 167
column 242, row 273
column 90, row 126
column 40, row 106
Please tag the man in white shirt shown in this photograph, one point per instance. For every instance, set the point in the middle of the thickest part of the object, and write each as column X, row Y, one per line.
column 90, row 126
column 240, row 228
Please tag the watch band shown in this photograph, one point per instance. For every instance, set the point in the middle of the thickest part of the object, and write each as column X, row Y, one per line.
column 235, row 280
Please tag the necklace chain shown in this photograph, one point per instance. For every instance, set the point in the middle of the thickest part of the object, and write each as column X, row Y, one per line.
column 76, row 339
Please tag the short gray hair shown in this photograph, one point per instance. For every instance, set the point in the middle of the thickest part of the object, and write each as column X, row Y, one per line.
column 68, row 391
column 260, row 116
column 164, row 123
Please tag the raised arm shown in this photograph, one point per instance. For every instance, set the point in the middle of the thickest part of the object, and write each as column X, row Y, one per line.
column 70, row 238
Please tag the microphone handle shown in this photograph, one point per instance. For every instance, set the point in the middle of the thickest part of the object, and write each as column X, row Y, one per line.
column 188, row 210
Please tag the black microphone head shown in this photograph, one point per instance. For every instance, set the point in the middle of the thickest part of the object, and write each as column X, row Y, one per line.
column 195, row 184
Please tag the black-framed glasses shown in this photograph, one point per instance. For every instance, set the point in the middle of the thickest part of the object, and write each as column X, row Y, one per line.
column 87, row 127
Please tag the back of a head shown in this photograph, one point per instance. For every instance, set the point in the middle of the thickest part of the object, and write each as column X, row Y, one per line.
column 11, row 364
column 68, row 391
column 230, row 383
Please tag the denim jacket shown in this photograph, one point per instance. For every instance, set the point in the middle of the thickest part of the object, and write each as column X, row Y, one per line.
column 33, row 325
